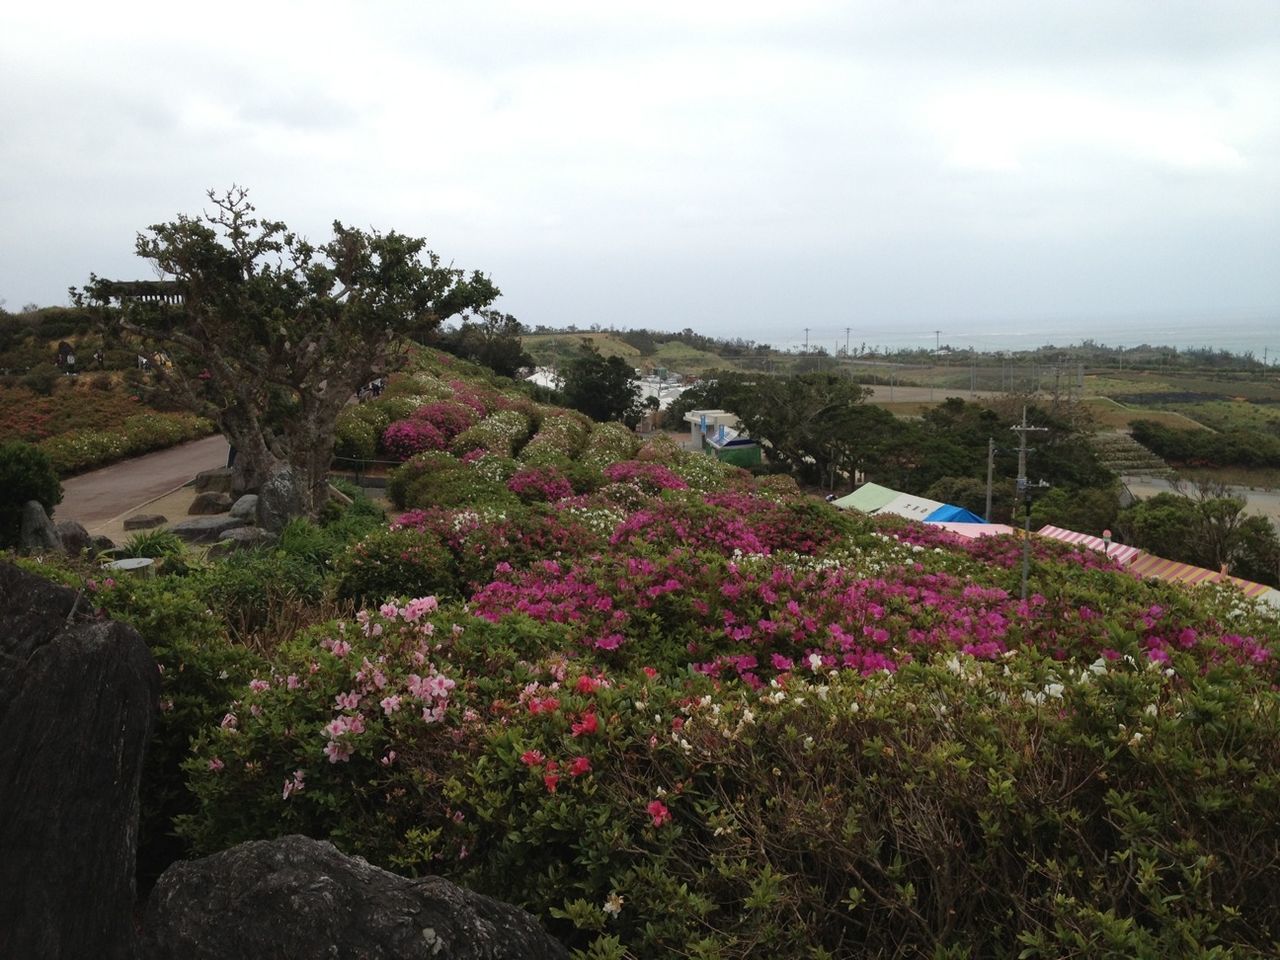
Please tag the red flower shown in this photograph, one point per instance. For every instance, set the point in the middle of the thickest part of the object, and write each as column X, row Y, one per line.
column 578, row 766
column 550, row 780
column 587, row 684
column 659, row 812
column 586, row 726
column 532, row 758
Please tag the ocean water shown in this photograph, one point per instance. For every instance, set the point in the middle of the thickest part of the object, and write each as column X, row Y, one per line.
column 1259, row 335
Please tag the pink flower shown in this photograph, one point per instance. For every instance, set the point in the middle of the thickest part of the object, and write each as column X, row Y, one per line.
column 586, row 726
column 258, row 686
column 347, row 701
column 578, row 766
column 216, row 765
column 296, row 785
column 389, row 759
column 292, row 682
column 659, row 812
column 337, row 751
column 532, row 758
column 390, row 705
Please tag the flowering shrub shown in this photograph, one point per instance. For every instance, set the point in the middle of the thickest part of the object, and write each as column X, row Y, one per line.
column 82, row 450
column 727, row 720
column 608, row 443
column 656, row 811
column 393, row 563
column 649, row 477
column 405, row 438
column 544, row 484
column 437, row 479
column 560, row 438
column 502, row 434
column 449, row 418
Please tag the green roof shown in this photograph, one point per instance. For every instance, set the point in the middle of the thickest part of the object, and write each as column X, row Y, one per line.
column 867, row 498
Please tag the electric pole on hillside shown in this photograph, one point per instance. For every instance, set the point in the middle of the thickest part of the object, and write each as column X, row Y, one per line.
column 1024, row 493
column 991, row 466
column 806, row 339
column 846, row 346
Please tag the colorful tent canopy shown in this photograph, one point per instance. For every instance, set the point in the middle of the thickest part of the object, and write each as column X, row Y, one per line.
column 909, row 506
column 1147, row 565
column 868, row 498
column 1119, row 552
column 972, row 530
column 954, row 514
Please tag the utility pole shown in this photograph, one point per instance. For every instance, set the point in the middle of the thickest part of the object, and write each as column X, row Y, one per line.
column 1024, row 494
column 846, row 343
column 806, row 339
column 991, row 466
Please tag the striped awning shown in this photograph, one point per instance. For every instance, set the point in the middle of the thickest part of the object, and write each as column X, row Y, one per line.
column 1119, row 552
column 1148, row 565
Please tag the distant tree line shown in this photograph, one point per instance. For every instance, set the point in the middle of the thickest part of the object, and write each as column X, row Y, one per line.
column 1238, row 447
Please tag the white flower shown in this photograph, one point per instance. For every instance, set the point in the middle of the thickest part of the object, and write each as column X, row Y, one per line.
column 1149, row 709
column 613, row 904
column 1053, row 691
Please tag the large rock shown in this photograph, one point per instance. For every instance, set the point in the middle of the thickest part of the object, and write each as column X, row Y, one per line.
column 210, row 501
column 218, row 480
column 145, row 521
column 36, row 532
column 77, row 701
column 278, row 501
column 246, row 507
column 74, row 537
column 205, row 529
column 300, row 898
column 241, row 538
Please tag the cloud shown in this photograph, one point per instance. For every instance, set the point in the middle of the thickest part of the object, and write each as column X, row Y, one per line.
column 694, row 162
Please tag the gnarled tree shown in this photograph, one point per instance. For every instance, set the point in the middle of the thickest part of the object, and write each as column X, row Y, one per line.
column 270, row 336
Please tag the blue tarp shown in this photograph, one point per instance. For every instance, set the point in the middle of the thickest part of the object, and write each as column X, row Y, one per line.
column 954, row 515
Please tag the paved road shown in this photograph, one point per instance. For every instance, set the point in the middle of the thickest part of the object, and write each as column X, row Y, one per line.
column 104, row 494
column 1265, row 502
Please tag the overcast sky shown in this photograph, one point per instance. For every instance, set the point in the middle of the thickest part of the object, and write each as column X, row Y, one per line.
column 740, row 167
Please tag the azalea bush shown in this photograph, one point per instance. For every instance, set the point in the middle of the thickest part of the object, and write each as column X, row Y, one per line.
column 647, row 812
column 404, row 438
column 674, row 710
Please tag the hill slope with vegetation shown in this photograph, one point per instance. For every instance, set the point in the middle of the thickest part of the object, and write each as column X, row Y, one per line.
column 676, row 710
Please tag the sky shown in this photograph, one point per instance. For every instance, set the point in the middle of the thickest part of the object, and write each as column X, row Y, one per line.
column 982, row 168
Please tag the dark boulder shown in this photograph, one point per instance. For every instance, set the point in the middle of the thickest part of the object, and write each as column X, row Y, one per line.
column 245, row 507
column 145, row 521
column 217, row 480
column 205, row 529
column 300, row 898
column 78, row 697
column 210, row 501
column 36, row 532
column 240, row 538
column 278, row 501
column 74, row 537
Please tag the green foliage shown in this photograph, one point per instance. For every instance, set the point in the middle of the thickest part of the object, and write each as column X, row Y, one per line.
column 25, row 474
column 201, row 674
column 1208, row 530
column 1091, row 510
column 603, row 388
column 252, row 589
column 41, row 379
column 154, row 544
column 394, row 563
column 1237, row 447
column 492, row 340
column 287, row 330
